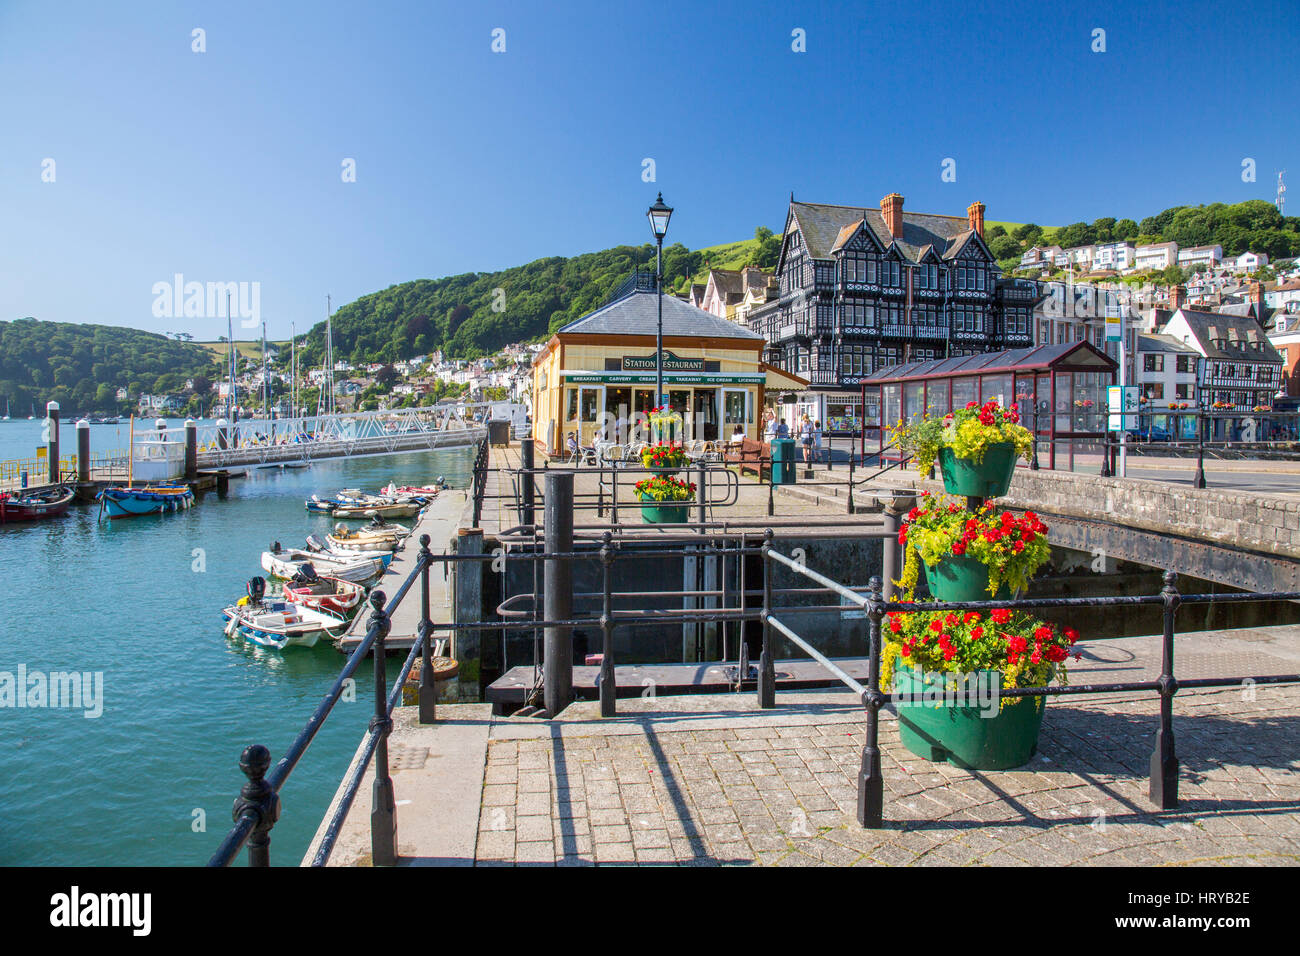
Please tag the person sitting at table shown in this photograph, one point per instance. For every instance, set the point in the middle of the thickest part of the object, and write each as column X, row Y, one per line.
column 571, row 446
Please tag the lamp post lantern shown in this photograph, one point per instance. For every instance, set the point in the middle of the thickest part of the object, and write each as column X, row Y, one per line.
column 659, row 214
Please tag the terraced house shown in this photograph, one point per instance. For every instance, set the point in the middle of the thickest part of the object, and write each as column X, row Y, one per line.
column 863, row 289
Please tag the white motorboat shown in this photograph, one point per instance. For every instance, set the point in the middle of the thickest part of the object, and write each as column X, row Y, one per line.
column 285, row 563
column 279, row 624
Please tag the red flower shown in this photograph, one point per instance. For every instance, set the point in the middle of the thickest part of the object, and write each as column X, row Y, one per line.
column 1016, row 644
column 950, row 619
column 970, row 616
column 949, row 654
column 895, row 626
column 1056, row 654
column 1043, row 633
column 959, row 548
column 1071, row 634
column 936, row 625
column 976, row 633
column 1018, row 547
column 1000, row 615
column 972, row 404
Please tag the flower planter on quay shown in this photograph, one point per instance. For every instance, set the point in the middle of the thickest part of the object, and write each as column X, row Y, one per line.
column 990, row 478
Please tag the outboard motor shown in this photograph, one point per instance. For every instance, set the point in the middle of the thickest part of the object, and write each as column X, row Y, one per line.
column 341, row 530
column 308, row 572
column 314, row 543
column 275, row 548
column 256, row 589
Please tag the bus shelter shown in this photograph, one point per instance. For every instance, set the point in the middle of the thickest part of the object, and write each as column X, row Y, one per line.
column 1059, row 390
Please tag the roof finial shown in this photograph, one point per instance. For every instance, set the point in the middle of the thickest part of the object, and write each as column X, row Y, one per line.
column 792, row 195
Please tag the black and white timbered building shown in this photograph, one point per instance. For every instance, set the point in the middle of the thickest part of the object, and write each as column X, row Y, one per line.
column 863, row 289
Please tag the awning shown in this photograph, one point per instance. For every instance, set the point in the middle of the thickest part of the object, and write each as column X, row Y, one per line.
column 782, row 381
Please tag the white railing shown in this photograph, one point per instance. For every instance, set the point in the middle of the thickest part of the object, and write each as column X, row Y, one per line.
column 267, row 441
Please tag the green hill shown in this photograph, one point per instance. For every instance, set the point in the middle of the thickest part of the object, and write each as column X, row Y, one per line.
column 82, row 366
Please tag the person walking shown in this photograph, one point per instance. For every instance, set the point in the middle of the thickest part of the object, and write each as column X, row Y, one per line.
column 806, row 433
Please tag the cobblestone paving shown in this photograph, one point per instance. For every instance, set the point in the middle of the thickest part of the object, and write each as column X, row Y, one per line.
column 786, row 795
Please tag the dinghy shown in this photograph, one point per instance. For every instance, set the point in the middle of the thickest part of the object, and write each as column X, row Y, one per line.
column 318, row 545
column 370, row 538
column 119, row 502
column 278, row 624
column 370, row 509
column 36, row 505
column 326, row 593
column 286, row 563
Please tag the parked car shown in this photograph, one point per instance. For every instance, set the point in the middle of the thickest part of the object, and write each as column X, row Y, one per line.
column 1149, row 433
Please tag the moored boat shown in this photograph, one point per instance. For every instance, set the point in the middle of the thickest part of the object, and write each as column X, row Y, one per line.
column 278, row 624
column 127, row 502
column 323, row 593
column 398, row 509
column 36, row 505
column 370, row 538
column 285, row 563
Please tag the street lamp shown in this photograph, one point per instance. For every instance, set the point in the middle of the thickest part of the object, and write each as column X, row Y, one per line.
column 659, row 214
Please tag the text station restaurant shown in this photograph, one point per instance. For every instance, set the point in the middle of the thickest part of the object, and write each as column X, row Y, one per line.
column 1060, row 391
column 600, row 370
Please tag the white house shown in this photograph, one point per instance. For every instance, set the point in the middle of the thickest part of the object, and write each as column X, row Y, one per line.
column 1166, row 376
column 1251, row 261
column 1113, row 255
column 1156, row 255
column 1208, row 256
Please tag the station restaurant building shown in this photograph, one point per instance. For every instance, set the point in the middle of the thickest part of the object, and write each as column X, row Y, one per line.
column 601, row 368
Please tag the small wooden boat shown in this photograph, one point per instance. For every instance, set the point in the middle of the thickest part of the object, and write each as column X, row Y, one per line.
column 36, row 505
column 326, row 593
column 318, row 545
column 285, row 563
column 278, row 624
column 370, row 538
column 370, row 509
column 318, row 506
column 119, row 502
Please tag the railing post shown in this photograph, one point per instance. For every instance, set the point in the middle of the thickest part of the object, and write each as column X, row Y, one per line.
column 383, row 805
column 851, row 484
column 871, row 787
column 526, row 451
column 608, row 684
column 770, row 475
column 701, row 490
column 260, row 797
column 613, row 495
column 1164, row 761
column 428, row 686
column 766, row 667
column 557, row 672
column 830, row 453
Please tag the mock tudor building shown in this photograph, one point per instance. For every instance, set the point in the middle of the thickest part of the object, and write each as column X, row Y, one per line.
column 862, row 289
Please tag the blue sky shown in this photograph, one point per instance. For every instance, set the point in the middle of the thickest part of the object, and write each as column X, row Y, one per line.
column 225, row 166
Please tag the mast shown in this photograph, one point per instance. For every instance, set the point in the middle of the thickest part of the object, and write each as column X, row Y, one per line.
column 293, row 371
column 230, row 392
column 266, row 381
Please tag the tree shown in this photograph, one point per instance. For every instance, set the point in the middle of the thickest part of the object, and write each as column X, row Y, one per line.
column 1125, row 229
column 1030, row 233
column 1004, row 247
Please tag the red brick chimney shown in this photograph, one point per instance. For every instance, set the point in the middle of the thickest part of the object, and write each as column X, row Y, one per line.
column 891, row 207
column 1257, row 298
column 1175, row 298
column 975, row 216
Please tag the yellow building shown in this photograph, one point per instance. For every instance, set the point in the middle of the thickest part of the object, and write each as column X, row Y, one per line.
column 596, row 376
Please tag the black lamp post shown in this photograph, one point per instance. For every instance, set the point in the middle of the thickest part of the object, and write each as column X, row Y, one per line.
column 1199, row 480
column 659, row 214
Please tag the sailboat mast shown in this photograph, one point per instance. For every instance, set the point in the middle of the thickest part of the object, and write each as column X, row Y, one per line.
column 230, row 392
column 329, row 354
column 293, row 370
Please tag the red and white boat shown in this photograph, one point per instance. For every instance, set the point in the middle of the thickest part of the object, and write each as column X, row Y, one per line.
column 323, row 593
column 50, row 503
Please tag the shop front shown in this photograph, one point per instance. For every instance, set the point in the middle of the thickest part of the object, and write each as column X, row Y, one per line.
column 596, row 378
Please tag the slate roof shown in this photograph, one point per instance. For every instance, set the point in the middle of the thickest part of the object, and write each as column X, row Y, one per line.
column 825, row 228
column 727, row 281
column 637, row 314
column 1209, row 326
column 1061, row 355
column 1151, row 342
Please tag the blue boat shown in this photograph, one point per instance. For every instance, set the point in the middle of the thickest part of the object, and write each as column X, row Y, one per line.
column 149, row 500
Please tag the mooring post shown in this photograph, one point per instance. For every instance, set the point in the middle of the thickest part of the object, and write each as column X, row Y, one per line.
column 1164, row 760
column 766, row 666
column 526, row 451
column 83, row 451
column 222, row 441
column 428, row 687
column 889, row 569
column 557, row 671
column 259, row 797
column 608, row 684
column 191, row 450
column 871, row 785
column 383, row 806
column 52, row 440
column 468, row 584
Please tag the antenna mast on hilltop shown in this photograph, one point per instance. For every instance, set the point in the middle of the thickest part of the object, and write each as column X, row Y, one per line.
column 1281, row 193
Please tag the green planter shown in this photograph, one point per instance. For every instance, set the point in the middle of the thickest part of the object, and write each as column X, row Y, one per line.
column 989, row 479
column 962, row 734
column 961, row 578
column 665, row 512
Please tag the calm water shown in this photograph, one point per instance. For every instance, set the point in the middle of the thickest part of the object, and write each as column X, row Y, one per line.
column 180, row 699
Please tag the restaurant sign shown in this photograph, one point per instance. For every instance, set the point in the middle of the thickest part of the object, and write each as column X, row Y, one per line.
column 647, row 363
column 675, row 378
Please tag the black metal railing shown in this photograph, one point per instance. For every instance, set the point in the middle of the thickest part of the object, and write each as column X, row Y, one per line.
column 479, row 482
column 1163, row 787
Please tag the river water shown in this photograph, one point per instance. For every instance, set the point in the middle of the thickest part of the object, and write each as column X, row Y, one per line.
column 152, row 779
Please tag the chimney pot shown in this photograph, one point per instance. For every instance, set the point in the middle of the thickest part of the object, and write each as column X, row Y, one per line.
column 975, row 216
column 1176, row 297
column 891, row 208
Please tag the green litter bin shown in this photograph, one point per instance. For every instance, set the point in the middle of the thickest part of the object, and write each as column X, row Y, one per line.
column 783, row 461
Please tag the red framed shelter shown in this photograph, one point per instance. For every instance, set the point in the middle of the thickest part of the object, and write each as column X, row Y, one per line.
column 1060, row 391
